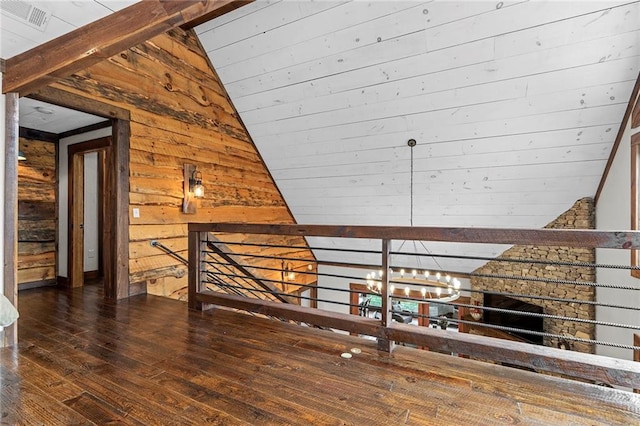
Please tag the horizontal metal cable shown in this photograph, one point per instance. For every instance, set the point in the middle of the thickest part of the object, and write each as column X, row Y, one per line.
column 470, row 290
column 335, row 249
column 518, row 260
column 537, row 315
column 536, row 333
column 554, row 281
column 289, row 295
column 483, row 308
column 556, row 299
column 480, row 275
column 266, row 268
column 290, row 283
column 445, row 256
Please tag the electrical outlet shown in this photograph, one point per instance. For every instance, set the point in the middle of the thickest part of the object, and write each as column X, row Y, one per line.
column 136, row 213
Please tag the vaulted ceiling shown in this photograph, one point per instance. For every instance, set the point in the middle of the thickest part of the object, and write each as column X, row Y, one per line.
column 514, row 106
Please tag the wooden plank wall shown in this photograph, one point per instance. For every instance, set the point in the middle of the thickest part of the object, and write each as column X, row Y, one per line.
column 180, row 114
column 36, row 212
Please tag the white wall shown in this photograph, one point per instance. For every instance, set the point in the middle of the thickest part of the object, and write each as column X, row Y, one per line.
column 339, row 283
column 63, row 186
column 613, row 212
column 91, row 241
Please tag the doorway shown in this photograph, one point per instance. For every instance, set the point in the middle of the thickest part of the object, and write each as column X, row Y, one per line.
column 86, row 205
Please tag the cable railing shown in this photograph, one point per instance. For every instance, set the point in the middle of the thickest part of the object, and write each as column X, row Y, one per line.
column 545, row 311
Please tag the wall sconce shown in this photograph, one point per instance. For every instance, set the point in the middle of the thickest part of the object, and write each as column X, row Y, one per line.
column 195, row 184
column 288, row 272
column 192, row 188
column 21, row 156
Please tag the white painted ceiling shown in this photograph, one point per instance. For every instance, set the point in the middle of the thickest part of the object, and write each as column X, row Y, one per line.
column 514, row 105
column 53, row 118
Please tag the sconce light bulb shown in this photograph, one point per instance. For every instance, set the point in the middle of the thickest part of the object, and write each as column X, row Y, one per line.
column 423, row 291
column 198, row 191
column 407, row 291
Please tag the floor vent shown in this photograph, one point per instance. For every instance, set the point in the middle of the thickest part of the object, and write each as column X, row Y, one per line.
column 27, row 13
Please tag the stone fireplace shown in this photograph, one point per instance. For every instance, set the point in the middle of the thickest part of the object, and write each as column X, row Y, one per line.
column 580, row 216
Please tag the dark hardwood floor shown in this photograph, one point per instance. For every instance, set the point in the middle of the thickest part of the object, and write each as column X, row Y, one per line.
column 148, row 360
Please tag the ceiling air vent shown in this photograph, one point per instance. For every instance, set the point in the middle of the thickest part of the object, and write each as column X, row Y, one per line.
column 27, row 13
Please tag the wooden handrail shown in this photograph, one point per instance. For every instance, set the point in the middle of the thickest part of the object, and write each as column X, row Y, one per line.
column 551, row 237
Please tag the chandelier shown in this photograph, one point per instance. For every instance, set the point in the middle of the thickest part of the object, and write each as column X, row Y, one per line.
column 434, row 287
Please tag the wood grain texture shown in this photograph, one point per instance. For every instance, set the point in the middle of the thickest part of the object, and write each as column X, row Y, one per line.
column 553, row 237
column 83, row 360
column 9, row 335
column 544, row 359
column 99, row 40
column 37, row 213
column 179, row 113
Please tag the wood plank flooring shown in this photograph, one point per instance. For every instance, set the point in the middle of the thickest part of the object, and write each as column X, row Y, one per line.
column 148, row 361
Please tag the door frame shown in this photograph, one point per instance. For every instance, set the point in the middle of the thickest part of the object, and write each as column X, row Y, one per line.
column 75, row 202
column 116, row 197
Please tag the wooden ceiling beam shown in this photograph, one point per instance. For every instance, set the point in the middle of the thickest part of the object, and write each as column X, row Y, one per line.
column 94, row 42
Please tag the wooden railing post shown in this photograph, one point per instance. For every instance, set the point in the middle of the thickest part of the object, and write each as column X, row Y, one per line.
column 195, row 264
column 385, row 344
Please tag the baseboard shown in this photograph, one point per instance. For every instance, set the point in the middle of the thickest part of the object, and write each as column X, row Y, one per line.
column 37, row 284
column 91, row 275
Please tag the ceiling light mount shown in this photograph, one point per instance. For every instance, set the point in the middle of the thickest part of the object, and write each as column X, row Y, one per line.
column 44, row 110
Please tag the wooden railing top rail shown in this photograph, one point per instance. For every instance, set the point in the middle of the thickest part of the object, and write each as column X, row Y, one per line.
column 553, row 237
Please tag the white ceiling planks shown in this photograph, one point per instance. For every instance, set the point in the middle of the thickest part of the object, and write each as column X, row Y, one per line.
column 500, row 96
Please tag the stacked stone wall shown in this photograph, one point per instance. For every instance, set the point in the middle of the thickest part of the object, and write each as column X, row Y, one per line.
column 580, row 216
